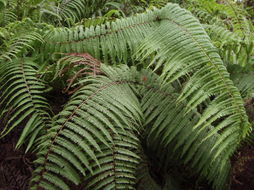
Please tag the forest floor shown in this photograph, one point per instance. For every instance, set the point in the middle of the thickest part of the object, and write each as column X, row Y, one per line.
column 15, row 165
column 243, row 169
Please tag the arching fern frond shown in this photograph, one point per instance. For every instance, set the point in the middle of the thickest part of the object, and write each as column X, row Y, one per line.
column 111, row 42
column 184, row 49
column 18, row 45
column 172, row 135
column 84, row 132
column 22, row 100
column 7, row 16
column 219, row 32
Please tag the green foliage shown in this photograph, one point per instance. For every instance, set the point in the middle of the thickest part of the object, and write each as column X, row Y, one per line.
column 242, row 77
column 20, row 38
column 95, row 132
column 233, row 49
column 70, row 11
column 172, row 104
column 230, row 29
column 22, row 100
column 85, row 123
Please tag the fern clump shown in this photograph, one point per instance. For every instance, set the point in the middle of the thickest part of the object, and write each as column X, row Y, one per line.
column 151, row 90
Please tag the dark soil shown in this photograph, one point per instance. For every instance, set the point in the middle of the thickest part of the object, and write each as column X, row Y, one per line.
column 15, row 166
column 243, row 170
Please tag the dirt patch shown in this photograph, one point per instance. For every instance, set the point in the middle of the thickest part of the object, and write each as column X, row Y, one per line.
column 15, row 165
column 243, row 170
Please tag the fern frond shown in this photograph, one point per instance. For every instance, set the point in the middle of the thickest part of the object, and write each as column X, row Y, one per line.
column 174, row 136
column 7, row 16
column 19, row 44
column 232, row 48
column 171, row 133
column 83, row 130
column 111, row 42
column 240, row 23
column 118, row 163
column 72, row 67
column 219, row 32
column 72, row 10
column 22, row 100
column 184, row 49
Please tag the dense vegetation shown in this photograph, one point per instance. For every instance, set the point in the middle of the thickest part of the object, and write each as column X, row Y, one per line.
column 154, row 92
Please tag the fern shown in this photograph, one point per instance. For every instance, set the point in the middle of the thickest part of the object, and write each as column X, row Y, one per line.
column 112, row 42
column 118, row 163
column 239, row 22
column 242, row 77
column 176, row 104
column 186, row 36
column 7, row 14
column 83, row 133
column 203, row 149
column 71, row 11
column 101, row 170
column 234, row 38
column 22, row 100
column 232, row 48
column 182, row 50
column 20, row 39
column 199, row 148
column 233, row 15
column 20, row 44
